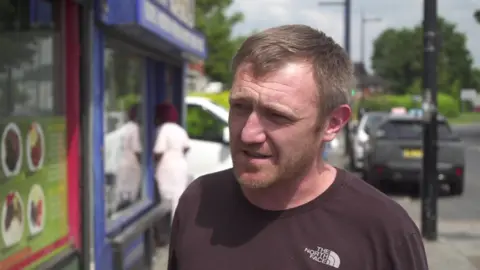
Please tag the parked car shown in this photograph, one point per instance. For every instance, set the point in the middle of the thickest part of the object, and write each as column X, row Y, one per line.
column 360, row 137
column 394, row 153
column 207, row 127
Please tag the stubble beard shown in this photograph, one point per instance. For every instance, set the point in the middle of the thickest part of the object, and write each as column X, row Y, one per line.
column 294, row 168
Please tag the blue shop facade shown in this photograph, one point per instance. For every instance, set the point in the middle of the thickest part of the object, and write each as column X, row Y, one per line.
column 140, row 50
column 73, row 74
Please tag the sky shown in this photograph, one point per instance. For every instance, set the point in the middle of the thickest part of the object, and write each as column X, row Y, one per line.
column 261, row 14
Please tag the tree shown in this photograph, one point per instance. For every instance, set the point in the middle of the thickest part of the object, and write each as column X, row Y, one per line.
column 476, row 15
column 17, row 48
column 398, row 58
column 213, row 21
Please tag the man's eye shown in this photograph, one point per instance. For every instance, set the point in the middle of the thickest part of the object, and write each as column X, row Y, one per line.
column 239, row 106
column 278, row 116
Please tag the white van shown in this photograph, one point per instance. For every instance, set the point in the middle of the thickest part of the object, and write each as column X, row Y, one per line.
column 207, row 127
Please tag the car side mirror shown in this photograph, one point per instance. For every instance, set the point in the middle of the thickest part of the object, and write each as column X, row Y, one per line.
column 226, row 136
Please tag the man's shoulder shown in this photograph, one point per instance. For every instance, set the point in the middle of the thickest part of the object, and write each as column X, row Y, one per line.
column 213, row 185
column 375, row 209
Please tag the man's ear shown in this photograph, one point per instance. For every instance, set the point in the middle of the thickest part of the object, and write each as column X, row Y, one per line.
column 335, row 121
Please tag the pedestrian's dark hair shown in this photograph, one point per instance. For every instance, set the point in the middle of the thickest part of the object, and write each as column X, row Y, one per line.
column 270, row 50
column 133, row 112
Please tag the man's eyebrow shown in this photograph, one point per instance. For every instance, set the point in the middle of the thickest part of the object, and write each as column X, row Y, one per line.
column 239, row 97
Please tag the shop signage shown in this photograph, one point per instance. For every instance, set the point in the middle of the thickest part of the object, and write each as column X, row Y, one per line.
column 184, row 10
column 33, row 189
column 174, row 30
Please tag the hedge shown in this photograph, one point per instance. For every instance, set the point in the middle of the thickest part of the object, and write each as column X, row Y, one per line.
column 447, row 105
column 219, row 98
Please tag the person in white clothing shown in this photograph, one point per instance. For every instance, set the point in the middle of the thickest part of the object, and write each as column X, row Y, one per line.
column 171, row 146
column 129, row 171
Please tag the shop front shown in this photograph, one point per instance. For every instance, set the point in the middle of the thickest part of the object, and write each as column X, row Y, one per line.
column 138, row 50
column 39, row 169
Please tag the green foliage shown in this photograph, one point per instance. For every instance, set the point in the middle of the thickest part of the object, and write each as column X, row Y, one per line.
column 218, row 98
column 476, row 15
column 18, row 48
column 213, row 21
column 398, row 58
column 124, row 102
column 203, row 126
column 447, row 105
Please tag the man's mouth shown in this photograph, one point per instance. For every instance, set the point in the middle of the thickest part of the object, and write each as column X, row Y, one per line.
column 251, row 154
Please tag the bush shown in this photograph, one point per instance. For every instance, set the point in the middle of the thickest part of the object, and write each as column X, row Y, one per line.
column 219, row 98
column 447, row 105
column 124, row 102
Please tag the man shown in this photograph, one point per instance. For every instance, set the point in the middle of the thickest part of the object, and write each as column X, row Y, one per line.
column 282, row 207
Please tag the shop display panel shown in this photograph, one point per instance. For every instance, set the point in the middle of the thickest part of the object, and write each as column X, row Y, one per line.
column 33, row 146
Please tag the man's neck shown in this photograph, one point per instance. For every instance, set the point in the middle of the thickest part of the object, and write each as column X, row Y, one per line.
column 290, row 194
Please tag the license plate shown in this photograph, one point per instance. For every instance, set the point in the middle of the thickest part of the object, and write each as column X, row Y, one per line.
column 412, row 153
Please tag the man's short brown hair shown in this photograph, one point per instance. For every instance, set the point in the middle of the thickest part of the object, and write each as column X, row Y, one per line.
column 270, row 50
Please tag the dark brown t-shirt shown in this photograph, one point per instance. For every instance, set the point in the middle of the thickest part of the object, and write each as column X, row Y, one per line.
column 350, row 226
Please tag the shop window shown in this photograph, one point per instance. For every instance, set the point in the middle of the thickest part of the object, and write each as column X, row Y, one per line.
column 33, row 178
column 204, row 125
column 124, row 129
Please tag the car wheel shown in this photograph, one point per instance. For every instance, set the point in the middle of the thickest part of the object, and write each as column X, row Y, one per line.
column 456, row 188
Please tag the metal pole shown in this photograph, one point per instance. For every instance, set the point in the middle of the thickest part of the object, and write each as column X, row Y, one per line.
column 347, row 17
column 348, row 144
column 348, row 6
column 430, row 186
column 362, row 39
column 86, row 187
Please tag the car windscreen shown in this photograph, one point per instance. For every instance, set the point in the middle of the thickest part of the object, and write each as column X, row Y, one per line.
column 406, row 130
column 374, row 120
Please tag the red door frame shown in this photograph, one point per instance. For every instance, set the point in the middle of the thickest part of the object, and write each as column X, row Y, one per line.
column 72, row 85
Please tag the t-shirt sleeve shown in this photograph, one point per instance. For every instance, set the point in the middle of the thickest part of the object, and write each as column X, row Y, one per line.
column 161, row 141
column 409, row 253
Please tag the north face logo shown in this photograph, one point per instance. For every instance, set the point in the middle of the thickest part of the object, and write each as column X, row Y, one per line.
column 325, row 256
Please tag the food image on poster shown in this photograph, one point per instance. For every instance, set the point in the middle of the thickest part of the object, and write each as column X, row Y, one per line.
column 35, row 147
column 36, row 209
column 12, row 226
column 11, row 150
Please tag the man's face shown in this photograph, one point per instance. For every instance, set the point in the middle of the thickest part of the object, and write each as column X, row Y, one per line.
column 273, row 123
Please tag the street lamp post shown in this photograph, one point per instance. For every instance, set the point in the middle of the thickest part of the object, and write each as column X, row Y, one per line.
column 347, row 16
column 365, row 20
column 430, row 185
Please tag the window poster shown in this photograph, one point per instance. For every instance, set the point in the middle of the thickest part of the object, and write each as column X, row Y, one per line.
column 33, row 190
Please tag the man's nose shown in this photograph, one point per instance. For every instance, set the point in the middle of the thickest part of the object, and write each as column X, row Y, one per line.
column 253, row 131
